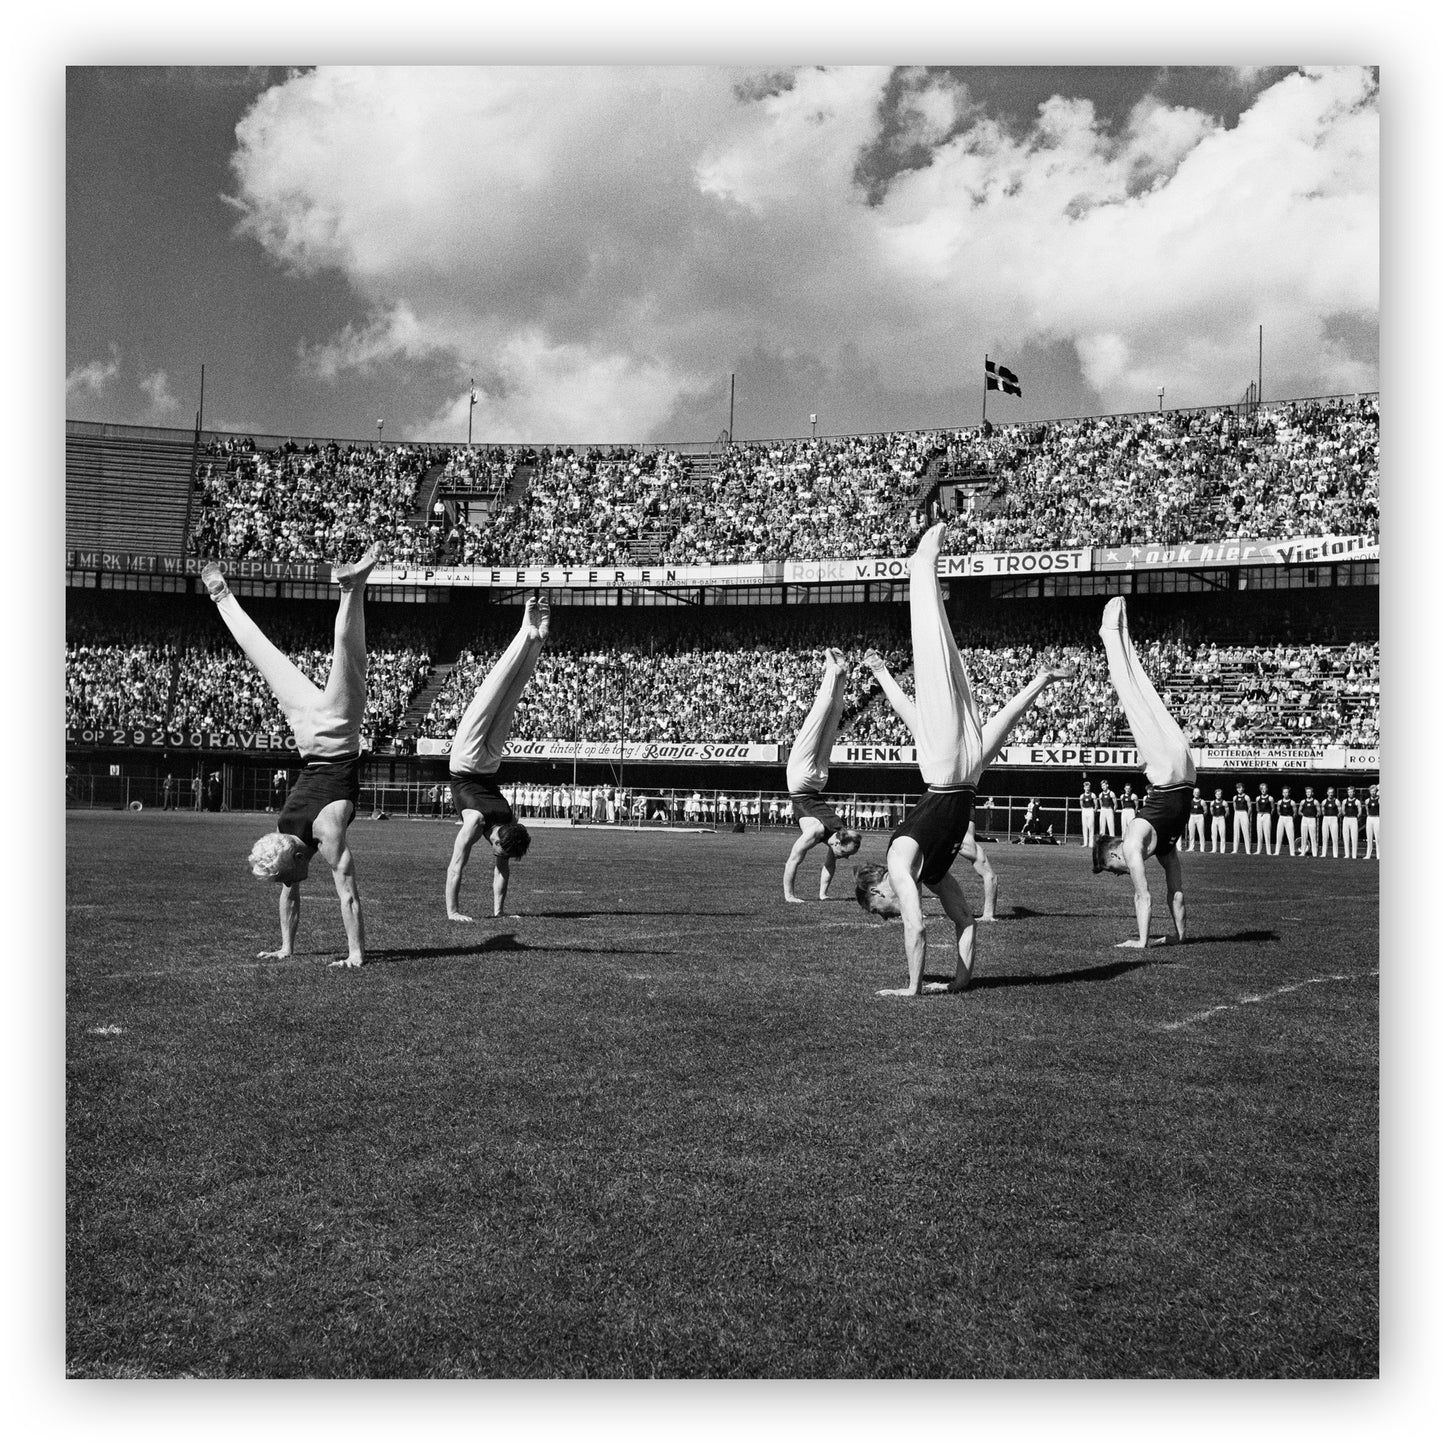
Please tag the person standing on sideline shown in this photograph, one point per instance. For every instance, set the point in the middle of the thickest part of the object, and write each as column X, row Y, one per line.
column 1350, row 810
column 1329, row 823
column 1309, row 824
column 1372, row 822
column 326, row 723
column 1169, row 766
column 1088, row 803
column 1240, row 803
column 1107, row 804
column 1284, row 828
column 168, row 794
column 1198, row 810
column 1128, row 807
column 477, row 750
column 198, row 790
column 1218, row 812
column 1263, row 820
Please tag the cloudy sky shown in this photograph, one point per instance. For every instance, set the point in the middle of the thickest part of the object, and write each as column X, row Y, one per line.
column 602, row 247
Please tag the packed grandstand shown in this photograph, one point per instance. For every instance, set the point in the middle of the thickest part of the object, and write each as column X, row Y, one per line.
column 696, row 586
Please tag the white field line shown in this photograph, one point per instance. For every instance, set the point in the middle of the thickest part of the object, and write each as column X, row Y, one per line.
column 1274, row 993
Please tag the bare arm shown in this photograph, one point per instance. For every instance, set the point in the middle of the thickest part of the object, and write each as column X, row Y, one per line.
column 1174, row 881
column 501, row 872
column 790, row 868
column 910, row 906
column 331, row 836
column 461, row 850
column 830, row 867
column 955, row 904
column 290, row 903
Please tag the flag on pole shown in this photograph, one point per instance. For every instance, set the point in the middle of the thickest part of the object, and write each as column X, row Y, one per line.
column 1000, row 378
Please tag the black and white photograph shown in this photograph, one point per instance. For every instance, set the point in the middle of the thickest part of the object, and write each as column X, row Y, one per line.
column 722, row 714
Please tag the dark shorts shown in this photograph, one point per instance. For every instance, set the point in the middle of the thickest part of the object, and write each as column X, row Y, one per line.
column 1166, row 810
column 322, row 781
column 482, row 795
column 815, row 805
column 938, row 824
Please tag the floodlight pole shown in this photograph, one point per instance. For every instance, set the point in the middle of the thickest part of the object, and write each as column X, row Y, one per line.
column 471, row 404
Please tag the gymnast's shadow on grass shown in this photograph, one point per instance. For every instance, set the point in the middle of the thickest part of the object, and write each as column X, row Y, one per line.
column 1244, row 935
column 498, row 943
column 1098, row 974
column 639, row 913
column 1021, row 912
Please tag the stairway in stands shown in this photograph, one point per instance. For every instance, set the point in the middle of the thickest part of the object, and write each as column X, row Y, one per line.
column 699, row 470
column 426, row 491
column 464, row 613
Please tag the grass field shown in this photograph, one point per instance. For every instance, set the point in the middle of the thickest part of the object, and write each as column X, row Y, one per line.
column 661, row 1124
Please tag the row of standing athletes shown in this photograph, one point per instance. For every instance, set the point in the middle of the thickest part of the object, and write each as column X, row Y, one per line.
column 1328, row 826
column 953, row 747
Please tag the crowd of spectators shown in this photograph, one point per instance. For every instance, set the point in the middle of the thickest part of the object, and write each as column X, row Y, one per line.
column 1234, row 667
column 484, row 470
column 1287, row 469
column 1307, row 468
column 172, row 665
column 754, row 680
column 581, row 507
column 318, row 502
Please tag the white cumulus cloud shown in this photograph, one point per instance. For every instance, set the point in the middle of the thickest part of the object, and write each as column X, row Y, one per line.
column 160, row 401
column 602, row 246
column 94, row 376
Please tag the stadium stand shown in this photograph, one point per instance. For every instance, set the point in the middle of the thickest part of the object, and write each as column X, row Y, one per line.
column 127, row 488
column 1260, row 656
column 1300, row 468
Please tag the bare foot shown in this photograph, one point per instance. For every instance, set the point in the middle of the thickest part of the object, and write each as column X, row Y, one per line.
column 988, row 918
column 959, row 984
column 460, row 917
column 274, row 953
column 898, row 993
column 793, row 898
column 537, row 615
column 873, row 661
column 350, row 576
column 930, row 544
column 348, row 962
column 215, row 581
column 1135, row 943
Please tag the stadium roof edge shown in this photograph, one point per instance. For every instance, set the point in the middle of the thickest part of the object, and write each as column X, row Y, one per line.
column 76, row 427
